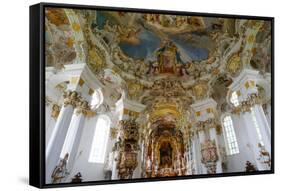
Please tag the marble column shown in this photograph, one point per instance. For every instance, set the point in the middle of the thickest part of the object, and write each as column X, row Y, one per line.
column 57, row 138
column 213, row 137
column 195, row 159
column 253, row 140
column 52, row 113
column 114, row 166
column 115, row 153
column 205, row 114
column 252, row 113
column 202, row 139
column 201, row 135
column 74, row 133
column 264, row 126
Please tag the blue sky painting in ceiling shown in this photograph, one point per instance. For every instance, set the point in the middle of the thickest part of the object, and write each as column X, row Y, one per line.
column 150, row 42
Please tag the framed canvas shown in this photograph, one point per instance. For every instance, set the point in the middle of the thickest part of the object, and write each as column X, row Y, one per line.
column 121, row 95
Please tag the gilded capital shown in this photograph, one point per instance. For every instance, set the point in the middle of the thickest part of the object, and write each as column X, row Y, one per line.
column 71, row 98
column 245, row 106
column 209, row 123
column 83, row 107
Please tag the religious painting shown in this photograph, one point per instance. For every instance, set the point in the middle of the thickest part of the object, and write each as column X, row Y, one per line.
column 125, row 95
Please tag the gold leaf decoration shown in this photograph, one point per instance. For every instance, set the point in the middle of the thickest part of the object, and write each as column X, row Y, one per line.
column 234, row 64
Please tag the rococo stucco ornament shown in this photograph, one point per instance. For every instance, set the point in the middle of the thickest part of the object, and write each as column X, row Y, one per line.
column 55, row 111
column 71, row 98
column 209, row 155
column 234, row 64
column 128, row 148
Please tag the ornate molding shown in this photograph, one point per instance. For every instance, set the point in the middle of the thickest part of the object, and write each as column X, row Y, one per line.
column 205, row 125
column 200, row 90
column 128, row 148
column 113, row 133
column 129, row 130
column 83, row 107
column 234, row 65
column 55, row 111
column 209, row 156
column 71, row 98
column 245, row 106
column 264, row 156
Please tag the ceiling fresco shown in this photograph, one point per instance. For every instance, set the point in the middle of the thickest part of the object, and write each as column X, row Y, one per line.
column 174, row 58
column 145, row 35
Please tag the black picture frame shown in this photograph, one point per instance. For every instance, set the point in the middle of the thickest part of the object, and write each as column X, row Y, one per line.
column 37, row 95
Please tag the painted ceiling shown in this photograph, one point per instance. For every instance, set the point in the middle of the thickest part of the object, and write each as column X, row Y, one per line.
column 145, row 39
column 156, row 56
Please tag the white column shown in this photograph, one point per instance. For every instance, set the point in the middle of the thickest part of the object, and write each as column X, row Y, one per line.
column 74, row 133
column 114, row 175
column 52, row 113
column 49, row 130
column 56, row 141
column 213, row 136
column 202, row 138
column 57, row 138
column 194, row 156
column 253, row 138
column 268, row 113
column 48, row 112
column 109, row 152
column 249, row 103
column 137, row 171
column 263, row 125
column 114, row 166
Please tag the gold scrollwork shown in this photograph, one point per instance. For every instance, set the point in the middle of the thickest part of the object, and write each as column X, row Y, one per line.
column 209, row 155
column 234, row 64
column 71, row 98
column 209, row 123
column 200, row 89
column 83, row 107
column 55, row 111
column 245, row 106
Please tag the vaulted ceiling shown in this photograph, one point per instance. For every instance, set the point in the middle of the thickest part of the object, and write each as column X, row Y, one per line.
column 158, row 56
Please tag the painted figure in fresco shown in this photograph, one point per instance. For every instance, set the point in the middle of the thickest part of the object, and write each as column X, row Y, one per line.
column 166, row 57
column 166, row 155
column 169, row 60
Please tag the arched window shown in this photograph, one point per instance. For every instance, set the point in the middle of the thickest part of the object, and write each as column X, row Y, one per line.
column 230, row 137
column 234, row 99
column 98, row 148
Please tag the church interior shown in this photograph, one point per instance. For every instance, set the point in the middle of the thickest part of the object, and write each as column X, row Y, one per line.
column 134, row 95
